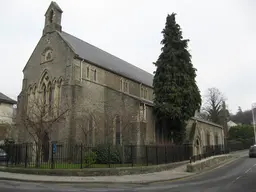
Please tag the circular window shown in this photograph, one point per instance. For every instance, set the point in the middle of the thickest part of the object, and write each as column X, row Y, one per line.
column 48, row 55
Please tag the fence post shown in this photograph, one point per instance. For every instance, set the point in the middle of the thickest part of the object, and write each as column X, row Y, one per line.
column 165, row 154
column 81, row 160
column 146, row 155
column 8, row 156
column 157, row 155
column 15, row 147
column 26, row 156
column 132, row 154
column 52, row 160
column 109, row 156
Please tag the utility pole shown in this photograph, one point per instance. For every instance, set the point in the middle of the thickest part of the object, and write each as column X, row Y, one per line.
column 253, row 120
column 224, row 120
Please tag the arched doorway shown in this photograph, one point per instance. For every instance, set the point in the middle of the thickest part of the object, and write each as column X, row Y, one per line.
column 197, row 146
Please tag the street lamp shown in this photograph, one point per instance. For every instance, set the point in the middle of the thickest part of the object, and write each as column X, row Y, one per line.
column 253, row 119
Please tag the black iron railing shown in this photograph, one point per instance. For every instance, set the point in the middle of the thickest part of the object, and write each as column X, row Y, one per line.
column 54, row 156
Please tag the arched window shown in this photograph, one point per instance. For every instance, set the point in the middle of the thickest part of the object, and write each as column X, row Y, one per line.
column 29, row 101
column 145, row 93
column 51, row 16
column 94, row 75
column 216, row 140
column 118, row 130
column 34, row 92
column 141, row 91
column 121, row 84
column 51, row 99
column 47, row 55
column 60, row 88
column 208, row 139
column 126, row 86
column 58, row 94
column 88, row 73
column 44, row 94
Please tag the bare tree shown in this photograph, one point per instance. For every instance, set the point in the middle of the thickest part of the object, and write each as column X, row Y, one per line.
column 39, row 120
column 213, row 105
column 114, row 126
column 88, row 122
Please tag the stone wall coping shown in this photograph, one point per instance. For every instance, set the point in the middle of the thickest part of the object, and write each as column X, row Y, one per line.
column 208, row 162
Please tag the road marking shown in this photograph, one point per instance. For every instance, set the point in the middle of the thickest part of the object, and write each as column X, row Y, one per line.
column 238, row 178
column 244, row 173
column 248, row 170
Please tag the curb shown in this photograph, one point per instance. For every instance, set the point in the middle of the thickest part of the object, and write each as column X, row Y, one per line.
column 195, row 174
column 94, row 172
column 95, row 182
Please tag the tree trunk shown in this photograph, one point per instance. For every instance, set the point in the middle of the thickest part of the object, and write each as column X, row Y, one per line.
column 38, row 154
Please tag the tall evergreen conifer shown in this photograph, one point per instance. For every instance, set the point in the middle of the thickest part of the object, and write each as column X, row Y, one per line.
column 177, row 96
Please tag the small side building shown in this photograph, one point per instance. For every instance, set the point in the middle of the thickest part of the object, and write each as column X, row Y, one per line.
column 7, row 117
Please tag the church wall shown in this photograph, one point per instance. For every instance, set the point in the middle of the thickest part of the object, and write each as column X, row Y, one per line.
column 105, row 91
column 58, row 67
column 214, row 131
column 89, row 103
column 150, row 129
column 127, row 108
column 202, row 133
column 110, row 79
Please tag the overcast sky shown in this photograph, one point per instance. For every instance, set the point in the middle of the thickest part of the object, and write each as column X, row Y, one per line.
column 222, row 36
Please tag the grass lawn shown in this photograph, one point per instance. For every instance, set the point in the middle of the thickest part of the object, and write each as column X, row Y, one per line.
column 75, row 166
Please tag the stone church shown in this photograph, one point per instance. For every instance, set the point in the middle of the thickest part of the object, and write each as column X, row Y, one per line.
column 112, row 97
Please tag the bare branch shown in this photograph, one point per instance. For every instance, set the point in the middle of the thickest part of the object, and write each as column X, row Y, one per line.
column 213, row 104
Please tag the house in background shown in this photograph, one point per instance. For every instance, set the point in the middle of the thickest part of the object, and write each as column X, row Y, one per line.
column 231, row 124
column 7, row 116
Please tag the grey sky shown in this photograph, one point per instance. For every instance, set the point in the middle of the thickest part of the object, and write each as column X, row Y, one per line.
column 222, row 37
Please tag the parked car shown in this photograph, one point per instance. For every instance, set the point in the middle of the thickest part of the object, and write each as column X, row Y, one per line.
column 252, row 151
column 3, row 155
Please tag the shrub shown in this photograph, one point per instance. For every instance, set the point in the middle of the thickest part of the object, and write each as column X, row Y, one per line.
column 107, row 154
column 90, row 158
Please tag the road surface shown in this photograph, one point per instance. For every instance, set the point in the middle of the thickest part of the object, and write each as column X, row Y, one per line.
column 238, row 176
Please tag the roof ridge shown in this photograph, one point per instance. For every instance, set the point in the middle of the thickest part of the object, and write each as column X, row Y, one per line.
column 7, row 99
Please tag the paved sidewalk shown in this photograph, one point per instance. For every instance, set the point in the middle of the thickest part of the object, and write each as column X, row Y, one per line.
column 179, row 172
column 173, row 174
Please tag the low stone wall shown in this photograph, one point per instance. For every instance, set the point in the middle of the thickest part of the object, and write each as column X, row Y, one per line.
column 95, row 171
column 207, row 163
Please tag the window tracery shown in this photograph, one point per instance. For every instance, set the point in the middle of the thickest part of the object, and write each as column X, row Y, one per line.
column 47, row 55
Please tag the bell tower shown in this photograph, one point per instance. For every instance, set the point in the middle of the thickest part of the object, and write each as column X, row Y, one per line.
column 52, row 18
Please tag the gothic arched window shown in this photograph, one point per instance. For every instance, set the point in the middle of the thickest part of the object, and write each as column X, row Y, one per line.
column 208, row 138
column 51, row 99
column 51, row 16
column 216, row 140
column 44, row 93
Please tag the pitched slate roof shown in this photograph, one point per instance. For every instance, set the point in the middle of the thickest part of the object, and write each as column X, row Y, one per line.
column 107, row 61
column 5, row 99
